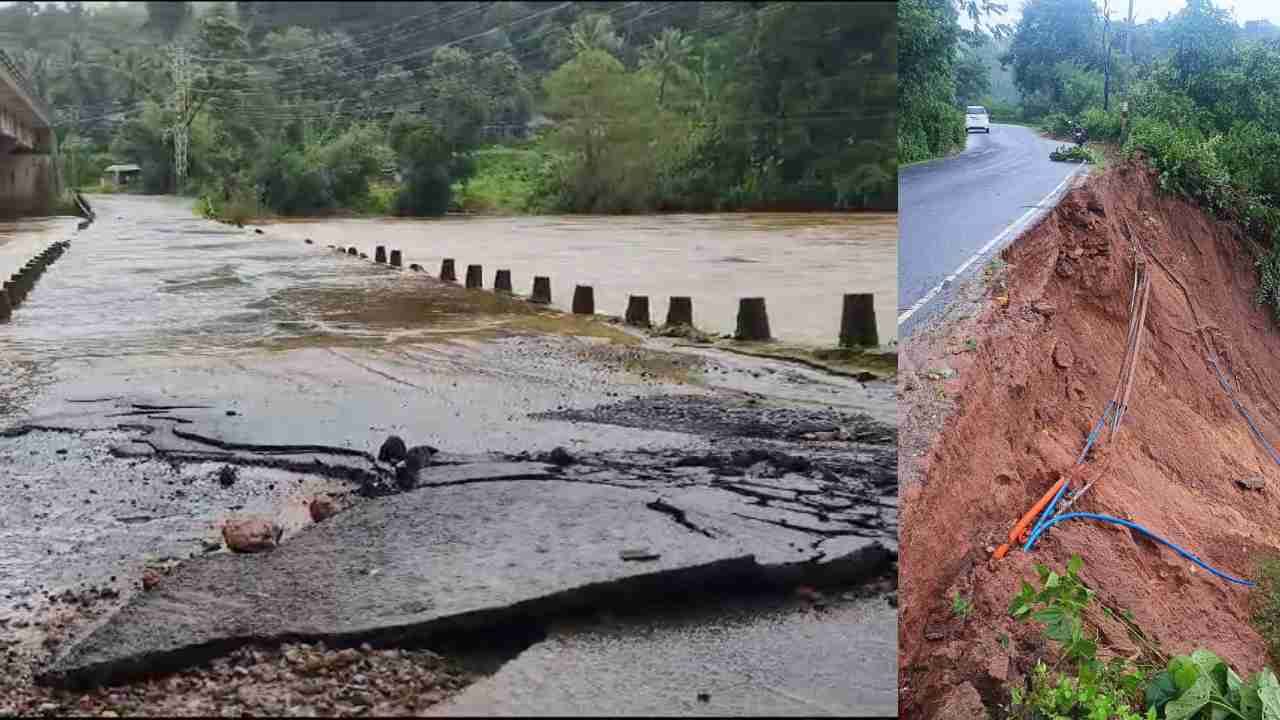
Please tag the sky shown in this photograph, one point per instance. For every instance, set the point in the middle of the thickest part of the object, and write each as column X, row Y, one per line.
column 1143, row 10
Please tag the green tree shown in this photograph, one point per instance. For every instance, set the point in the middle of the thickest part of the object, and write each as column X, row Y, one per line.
column 593, row 31
column 1052, row 32
column 668, row 56
column 167, row 18
column 605, row 131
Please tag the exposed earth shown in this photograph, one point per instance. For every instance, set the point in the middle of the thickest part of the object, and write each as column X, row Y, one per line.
column 580, row 484
column 997, row 401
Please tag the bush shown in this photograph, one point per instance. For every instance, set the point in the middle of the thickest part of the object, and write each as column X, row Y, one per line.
column 291, row 186
column 425, row 163
column 505, row 180
column 1057, row 124
column 927, row 129
column 1102, row 125
column 1004, row 111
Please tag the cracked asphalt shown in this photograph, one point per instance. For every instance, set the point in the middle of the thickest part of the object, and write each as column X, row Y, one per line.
column 749, row 476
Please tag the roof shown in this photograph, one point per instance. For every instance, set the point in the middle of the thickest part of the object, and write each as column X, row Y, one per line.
column 123, row 168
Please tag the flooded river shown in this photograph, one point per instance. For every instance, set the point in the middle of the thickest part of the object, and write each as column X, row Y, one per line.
column 152, row 278
column 802, row 264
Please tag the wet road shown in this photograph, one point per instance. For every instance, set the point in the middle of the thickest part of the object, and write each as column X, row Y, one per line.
column 802, row 264
column 262, row 341
column 958, row 212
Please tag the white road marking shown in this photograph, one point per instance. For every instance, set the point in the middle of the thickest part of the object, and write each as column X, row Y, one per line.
column 1015, row 225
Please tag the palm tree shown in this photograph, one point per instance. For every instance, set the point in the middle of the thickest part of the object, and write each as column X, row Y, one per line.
column 668, row 56
column 593, row 32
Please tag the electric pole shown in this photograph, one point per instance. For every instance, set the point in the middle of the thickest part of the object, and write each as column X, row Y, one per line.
column 1128, row 37
column 1106, row 64
column 182, row 106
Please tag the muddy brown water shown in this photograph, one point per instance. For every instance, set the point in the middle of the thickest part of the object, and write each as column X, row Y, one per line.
column 801, row 263
column 188, row 286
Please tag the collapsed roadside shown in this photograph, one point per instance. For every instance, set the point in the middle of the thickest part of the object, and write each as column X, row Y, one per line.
column 996, row 408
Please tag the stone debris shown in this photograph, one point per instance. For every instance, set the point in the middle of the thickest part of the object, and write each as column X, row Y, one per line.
column 293, row 679
column 639, row 554
column 558, row 456
column 250, row 535
column 322, row 507
column 393, row 450
column 1256, row 482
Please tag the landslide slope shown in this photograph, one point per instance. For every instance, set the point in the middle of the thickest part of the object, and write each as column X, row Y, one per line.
column 1043, row 370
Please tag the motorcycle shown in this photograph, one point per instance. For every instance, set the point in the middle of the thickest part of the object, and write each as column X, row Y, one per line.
column 1079, row 135
column 1066, row 153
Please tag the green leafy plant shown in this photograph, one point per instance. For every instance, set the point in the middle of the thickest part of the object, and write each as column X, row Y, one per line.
column 1073, row 153
column 961, row 606
column 1264, row 600
column 1200, row 686
column 1086, row 687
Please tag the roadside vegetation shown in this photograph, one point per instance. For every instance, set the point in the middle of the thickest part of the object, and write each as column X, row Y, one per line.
column 1199, row 88
column 1072, row 679
column 940, row 69
column 308, row 108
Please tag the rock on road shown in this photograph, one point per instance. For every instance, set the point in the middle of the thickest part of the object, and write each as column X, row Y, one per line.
column 953, row 208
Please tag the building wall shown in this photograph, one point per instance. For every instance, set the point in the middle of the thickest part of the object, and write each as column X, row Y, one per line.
column 26, row 184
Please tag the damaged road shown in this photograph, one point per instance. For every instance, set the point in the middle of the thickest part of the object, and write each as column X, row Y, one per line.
column 577, row 477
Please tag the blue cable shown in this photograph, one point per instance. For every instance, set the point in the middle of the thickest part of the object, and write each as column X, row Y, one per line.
column 1134, row 526
column 1043, row 521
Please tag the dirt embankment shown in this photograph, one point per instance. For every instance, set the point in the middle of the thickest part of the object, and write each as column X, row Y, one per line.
column 1035, row 378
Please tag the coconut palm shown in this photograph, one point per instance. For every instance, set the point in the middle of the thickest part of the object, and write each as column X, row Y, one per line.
column 668, row 56
column 593, row 32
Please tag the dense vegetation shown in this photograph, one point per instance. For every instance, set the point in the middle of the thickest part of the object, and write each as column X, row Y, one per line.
column 941, row 68
column 1201, row 92
column 419, row 108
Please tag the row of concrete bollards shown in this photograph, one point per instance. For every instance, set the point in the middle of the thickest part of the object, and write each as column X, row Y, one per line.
column 20, row 284
column 857, row 322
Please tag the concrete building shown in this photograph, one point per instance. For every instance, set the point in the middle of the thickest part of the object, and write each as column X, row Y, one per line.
column 28, row 177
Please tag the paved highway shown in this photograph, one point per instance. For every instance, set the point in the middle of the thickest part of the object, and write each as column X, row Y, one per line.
column 955, row 213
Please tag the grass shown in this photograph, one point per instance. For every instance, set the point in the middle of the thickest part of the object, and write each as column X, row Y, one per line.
column 505, row 181
column 1264, row 604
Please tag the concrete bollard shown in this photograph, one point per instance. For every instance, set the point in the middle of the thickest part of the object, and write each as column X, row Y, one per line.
column 475, row 277
column 753, row 320
column 502, row 281
column 380, row 254
column 395, row 258
column 447, row 273
column 638, row 310
column 680, row 311
column 858, row 321
column 541, row 290
column 584, row 300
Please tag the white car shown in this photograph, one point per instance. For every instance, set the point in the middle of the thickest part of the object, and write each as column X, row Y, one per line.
column 976, row 118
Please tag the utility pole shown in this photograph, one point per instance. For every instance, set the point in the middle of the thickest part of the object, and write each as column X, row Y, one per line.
column 1106, row 65
column 182, row 105
column 1128, row 37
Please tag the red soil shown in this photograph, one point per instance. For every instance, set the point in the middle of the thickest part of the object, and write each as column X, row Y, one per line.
column 1022, row 418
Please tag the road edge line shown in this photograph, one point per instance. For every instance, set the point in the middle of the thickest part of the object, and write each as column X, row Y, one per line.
column 1024, row 219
